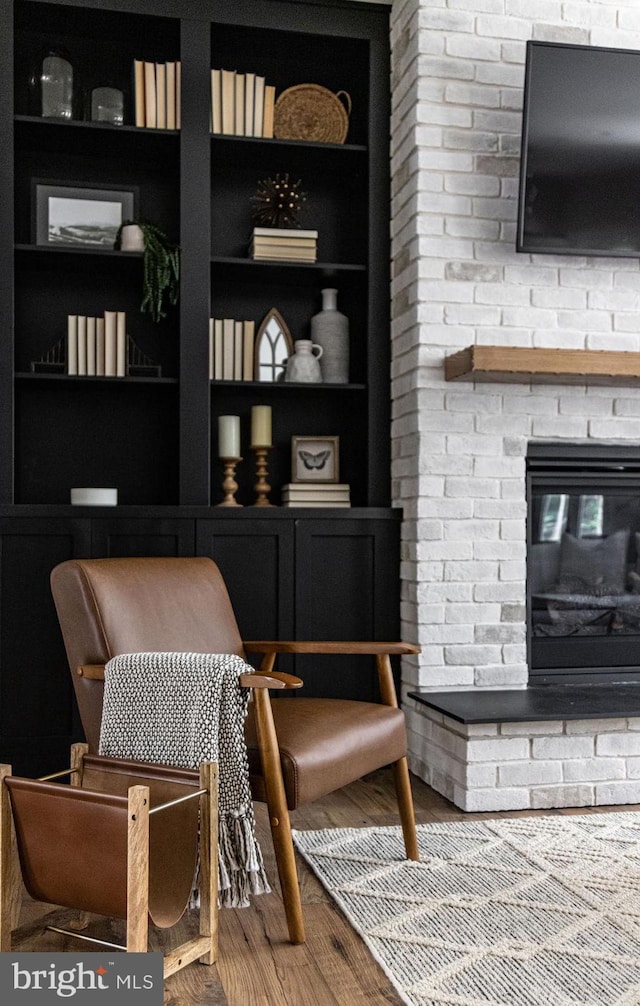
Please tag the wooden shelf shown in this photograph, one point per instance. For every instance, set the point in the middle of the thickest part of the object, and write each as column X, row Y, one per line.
column 521, row 364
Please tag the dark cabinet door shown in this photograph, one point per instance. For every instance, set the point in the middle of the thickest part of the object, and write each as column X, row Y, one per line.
column 37, row 710
column 346, row 588
column 134, row 536
column 255, row 558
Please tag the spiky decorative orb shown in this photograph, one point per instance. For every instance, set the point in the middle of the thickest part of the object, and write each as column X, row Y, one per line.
column 278, row 202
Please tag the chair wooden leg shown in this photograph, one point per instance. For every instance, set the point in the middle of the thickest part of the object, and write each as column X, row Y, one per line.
column 209, row 859
column 279, row 814
column 400, row 767
column 405, row 806
column 138, row 870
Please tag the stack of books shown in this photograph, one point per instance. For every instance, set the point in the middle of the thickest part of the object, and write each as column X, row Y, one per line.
column 156, row 89
column 231, row 349
column 242, row 104
column 97, row 347
column 284, row 243
column 316, row 494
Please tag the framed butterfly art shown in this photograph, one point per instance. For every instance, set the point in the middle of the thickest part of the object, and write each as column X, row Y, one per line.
column 314, row 459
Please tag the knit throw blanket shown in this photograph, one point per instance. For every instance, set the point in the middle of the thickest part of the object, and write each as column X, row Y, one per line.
column 182, row 709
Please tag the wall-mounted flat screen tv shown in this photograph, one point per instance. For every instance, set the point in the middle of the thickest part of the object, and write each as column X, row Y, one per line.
column 580, row 164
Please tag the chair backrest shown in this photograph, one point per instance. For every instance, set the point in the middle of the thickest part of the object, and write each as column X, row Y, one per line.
column 72, row 841
column 133, row 605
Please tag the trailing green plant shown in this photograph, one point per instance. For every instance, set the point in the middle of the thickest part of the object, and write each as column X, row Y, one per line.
column 161, row 270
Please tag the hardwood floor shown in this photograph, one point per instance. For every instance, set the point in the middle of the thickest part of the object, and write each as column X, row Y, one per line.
column 257, row 966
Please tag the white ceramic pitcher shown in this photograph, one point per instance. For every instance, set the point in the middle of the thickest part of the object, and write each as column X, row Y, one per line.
column 303, row 365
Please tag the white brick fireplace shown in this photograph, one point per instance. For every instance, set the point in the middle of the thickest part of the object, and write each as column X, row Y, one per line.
column 459, row 448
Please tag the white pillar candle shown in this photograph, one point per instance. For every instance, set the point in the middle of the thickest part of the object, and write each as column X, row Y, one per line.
column 261, row 426
column 229, row 436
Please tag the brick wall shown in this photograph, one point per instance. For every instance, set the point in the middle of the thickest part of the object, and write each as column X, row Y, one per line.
column 459, row 449
column 518, row 766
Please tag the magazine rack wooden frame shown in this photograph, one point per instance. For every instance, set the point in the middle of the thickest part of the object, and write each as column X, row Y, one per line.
column 121, row 841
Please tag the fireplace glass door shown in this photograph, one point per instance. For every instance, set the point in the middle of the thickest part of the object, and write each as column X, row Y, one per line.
column 583, row 562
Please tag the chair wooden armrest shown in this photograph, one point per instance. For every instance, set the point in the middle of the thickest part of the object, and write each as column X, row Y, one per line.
column 381, row 651
column 92, row 672
column 277, row 679
column 95, row 672
column 323, row 646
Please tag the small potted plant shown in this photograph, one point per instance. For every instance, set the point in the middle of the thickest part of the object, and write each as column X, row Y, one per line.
column 161, row 265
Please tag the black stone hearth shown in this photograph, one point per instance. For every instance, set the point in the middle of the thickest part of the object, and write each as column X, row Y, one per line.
column 536, row 703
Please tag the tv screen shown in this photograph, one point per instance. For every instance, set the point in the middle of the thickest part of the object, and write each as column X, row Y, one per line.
column 580, row 164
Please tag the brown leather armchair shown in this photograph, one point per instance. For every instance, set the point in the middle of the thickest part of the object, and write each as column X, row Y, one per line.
column 299, row 748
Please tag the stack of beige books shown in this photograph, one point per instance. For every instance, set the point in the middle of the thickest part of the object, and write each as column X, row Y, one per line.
column 231, row 349
column 156, row 96
column 242, row 104
column 97, row 347
column 286, row 243
column 316, row 494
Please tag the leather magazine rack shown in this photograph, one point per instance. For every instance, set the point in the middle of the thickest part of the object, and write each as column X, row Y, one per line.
column 122, row 841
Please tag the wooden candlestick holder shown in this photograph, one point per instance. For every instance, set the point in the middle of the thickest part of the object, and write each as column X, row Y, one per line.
column 262, row 487
column 229, row 484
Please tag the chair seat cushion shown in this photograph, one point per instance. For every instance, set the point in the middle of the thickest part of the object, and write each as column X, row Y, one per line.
column 327, row 743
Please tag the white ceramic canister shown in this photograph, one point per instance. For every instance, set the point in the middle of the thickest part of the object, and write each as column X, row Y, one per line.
column 132, row 238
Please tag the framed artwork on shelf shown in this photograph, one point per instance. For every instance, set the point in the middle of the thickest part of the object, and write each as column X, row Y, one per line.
column 74, row 217
column 314, row 459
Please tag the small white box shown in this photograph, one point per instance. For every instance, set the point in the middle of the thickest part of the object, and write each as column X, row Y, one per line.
column 94, row 497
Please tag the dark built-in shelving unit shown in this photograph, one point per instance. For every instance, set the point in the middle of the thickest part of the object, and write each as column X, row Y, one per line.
column 154, row 438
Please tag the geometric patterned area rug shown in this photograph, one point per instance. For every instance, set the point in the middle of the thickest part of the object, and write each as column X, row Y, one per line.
column 519, row 912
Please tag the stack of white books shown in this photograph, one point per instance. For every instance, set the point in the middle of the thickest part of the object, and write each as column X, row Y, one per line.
column 286, row 243
column 316, row 494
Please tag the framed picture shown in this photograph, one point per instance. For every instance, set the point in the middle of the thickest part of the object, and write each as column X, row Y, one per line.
column 79, row 218
column 314, row 459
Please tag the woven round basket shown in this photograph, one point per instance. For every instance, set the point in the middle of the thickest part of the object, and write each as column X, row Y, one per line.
column 312, row 112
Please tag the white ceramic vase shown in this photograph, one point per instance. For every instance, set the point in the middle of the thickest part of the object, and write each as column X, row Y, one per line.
column 330, row 329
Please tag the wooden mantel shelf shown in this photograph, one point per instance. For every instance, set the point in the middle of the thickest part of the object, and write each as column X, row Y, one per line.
column 516, row 363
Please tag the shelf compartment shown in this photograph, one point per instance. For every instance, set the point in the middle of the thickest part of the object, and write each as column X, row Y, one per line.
column 97, row 158
column 297, row 410
column 522, row 364
column 296, row 293
column 329, row 59
column 100, row 432
column 101, row 44
column 52, row 284
column 336, row 196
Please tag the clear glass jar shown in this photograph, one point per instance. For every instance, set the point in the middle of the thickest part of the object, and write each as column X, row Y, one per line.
column 107, row 105
column 56, row 86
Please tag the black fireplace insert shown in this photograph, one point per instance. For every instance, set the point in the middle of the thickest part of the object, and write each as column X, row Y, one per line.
column 583, row 562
